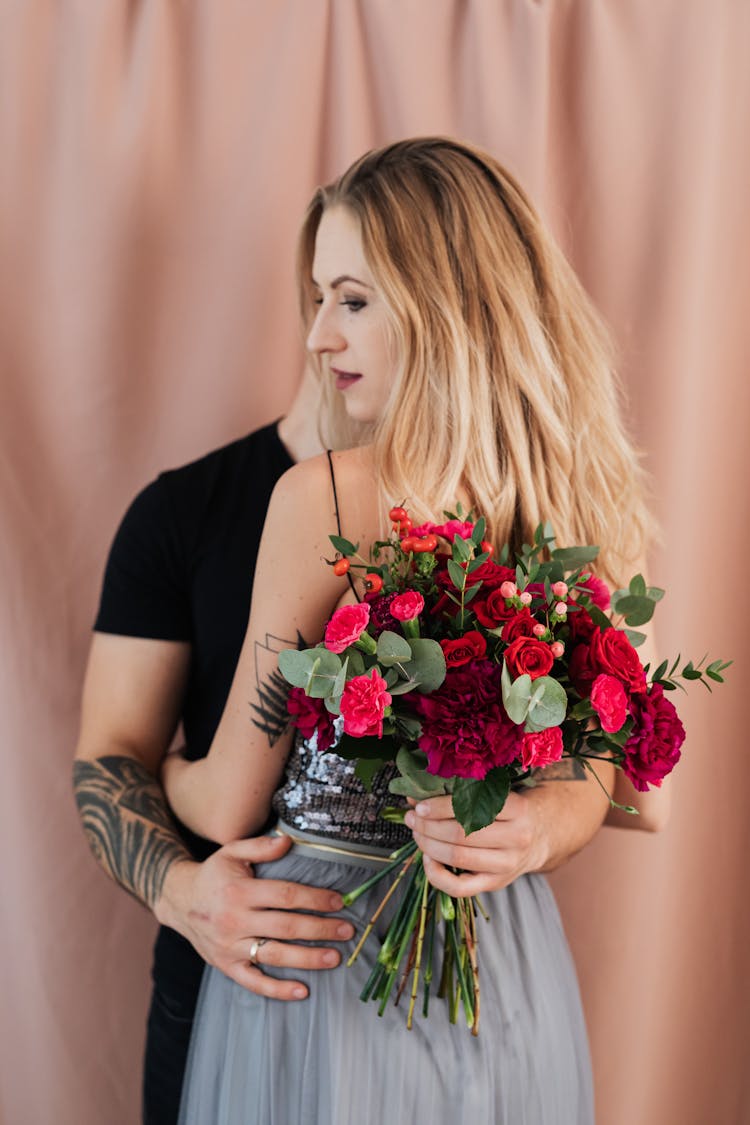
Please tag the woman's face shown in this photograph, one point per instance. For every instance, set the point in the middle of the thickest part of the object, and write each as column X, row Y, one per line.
column 351, row 331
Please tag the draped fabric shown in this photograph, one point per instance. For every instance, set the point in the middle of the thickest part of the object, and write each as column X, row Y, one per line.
column 156, row 160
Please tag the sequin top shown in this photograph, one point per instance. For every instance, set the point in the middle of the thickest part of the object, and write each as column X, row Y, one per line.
column 321, row 794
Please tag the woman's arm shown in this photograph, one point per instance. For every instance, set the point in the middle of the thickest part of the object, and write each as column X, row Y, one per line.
column 228, row 794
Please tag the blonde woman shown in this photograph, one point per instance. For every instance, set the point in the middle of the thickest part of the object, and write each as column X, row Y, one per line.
column 461, row 360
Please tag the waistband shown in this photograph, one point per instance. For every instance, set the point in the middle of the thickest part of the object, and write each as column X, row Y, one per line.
column 326, row 847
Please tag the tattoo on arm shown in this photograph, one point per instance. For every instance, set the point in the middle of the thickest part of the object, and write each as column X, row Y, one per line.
column 127, row 822
column 567, row 769
column 270, row 714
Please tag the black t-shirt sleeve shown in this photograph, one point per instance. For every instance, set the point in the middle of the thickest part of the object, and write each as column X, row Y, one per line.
column 146, row 592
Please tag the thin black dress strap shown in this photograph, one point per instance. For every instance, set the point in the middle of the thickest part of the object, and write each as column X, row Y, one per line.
column 338, row 518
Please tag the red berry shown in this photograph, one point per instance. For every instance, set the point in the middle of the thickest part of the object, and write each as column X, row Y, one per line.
column 427, row 543
column 374, row 583
column 407, row 544
column 398, row 514
column 340, row 567
column 487, row 547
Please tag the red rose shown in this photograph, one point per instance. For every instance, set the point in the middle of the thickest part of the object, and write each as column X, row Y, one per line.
column 581, row 623
column 540, row 748
column 363, row 704
column 521, row 624
column 405, row 607
column 311, row 715
column 470, row 646
column 581, row 670
column 612, row 652
column 465, row 729
column 528, row 656
column 610, row 702
column 492, row 610
column 346, row 626
column 653, row 749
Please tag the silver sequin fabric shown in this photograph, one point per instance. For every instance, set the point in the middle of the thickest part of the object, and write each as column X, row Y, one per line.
column 321, row 794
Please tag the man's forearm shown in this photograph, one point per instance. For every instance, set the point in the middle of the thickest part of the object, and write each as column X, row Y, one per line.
column 127, row 822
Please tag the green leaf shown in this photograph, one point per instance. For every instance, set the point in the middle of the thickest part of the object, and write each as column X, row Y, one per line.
column 516, row 696
column 571, row 557
column 457, row 573
column 340, row 681
column 660, row 670
column 637, row 610
column 415, row 781
column 356, row 662
column 637, row 586
column 548, row 703
column 636, row 639
column 598, row 617
column 471, row 592
column 401, row 687
column 461, row 549
column 477, row 803
column 344, row 546
column 427, row 666
column 477, row 534
column 655, row 593
column 365, row 770
column 409, row 726
column 311, row 665
column 392, row 649
column 477, row 561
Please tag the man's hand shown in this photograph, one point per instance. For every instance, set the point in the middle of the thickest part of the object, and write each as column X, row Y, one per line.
column 221, row 908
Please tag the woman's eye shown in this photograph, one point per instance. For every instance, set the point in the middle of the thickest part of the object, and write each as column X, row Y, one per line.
column 354, row 304
column 317, row 300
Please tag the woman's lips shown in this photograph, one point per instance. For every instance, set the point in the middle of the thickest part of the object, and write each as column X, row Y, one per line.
column 344, row 379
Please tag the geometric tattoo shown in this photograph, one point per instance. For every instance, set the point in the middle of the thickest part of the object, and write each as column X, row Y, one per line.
column 271, row 714
column 127, row 823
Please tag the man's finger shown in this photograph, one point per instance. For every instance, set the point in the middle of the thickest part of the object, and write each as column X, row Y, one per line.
column 283, row 895
column 299, row 927
column 255, row 980
column 490, row 860
column 257, row 849
column 286, row 955
column 461, row 886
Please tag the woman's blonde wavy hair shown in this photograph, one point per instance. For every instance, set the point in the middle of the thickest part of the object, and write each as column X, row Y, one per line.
column 505, row 384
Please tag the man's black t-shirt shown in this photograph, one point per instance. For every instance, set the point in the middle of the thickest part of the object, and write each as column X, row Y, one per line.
column 181, row 569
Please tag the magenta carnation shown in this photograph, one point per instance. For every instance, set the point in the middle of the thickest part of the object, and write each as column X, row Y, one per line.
column 346, row 626
column 363, row 704
column 610, row 702
column 653, row 749
column 465, row 729
column 541, row 748
column 597, row 590
column 407, row 606
column 311, row 715
column 448, row 530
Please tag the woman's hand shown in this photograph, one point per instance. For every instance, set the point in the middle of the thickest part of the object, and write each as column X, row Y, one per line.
column 491, row 858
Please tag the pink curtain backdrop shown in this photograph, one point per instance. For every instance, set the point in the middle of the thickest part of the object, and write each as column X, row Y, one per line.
column 156, row 159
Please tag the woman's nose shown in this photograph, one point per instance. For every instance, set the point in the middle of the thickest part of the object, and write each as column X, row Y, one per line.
column 323, row 335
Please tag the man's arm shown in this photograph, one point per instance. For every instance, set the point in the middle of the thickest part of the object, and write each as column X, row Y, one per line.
column 131, row 705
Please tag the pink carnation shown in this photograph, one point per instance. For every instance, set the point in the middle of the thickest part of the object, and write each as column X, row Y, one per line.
column 447, row 530
column 363, row 704
column 310, row 715
column 407, row 606
column 346, row 626
column 610, row 702
column 465, row 729
column 653, row 749
column 540, row 748
column 597, row 590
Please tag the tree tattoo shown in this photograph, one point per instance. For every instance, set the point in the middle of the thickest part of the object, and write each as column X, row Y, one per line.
column 567, row 769
column 127, row 823
column 270, row 714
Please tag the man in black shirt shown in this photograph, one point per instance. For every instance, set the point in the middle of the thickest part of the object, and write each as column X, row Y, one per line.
column 173, row 613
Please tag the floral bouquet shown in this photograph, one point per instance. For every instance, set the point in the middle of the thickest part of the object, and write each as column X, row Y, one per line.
column 474, row 675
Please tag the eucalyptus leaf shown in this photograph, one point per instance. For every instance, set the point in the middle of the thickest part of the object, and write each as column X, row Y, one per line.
column 333, row 704
column 476, row 802
column 636, row 639
column 313, row 664
column 637, row 586
column 402, row 687
column 598, row 617
column 461, row 549
column 392, row 649
column 655, row 593
column 548, row 703
column 356, row 662
column 340, row 682
column 572, row 557
column 637, row 610
column 480, row 527
column 516, row 698
column 471, row 592
column 427, row 666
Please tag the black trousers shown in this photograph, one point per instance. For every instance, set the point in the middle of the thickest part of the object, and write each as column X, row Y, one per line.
column 170, row 1022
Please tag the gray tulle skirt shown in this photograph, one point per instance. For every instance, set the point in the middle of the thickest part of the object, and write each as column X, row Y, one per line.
column 330, row 1060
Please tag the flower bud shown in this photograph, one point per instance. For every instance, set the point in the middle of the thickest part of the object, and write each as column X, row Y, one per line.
column 539, row 630
column 525, row 598
column 561, row 609
column 559, row 589
column 557, row 649
column 508, row 589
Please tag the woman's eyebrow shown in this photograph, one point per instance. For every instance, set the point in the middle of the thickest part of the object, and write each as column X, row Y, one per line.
column 340, row 281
